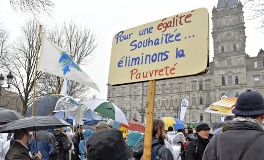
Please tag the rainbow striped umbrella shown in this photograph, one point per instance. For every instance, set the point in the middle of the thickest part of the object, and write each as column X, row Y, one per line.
column 222, row 107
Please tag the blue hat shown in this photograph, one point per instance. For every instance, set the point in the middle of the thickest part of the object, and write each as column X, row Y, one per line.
column 249, row 103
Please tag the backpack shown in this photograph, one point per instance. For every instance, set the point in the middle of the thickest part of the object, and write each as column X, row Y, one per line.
column 154, row 152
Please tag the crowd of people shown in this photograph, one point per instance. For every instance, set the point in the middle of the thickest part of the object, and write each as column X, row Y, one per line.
column 239, row 139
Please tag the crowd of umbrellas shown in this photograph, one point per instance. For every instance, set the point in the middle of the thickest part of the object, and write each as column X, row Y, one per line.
column 54, row 111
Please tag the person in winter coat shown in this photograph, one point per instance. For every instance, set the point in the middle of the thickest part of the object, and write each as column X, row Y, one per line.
column 158, row 145
column 245, row 137
column 19, row 149
column 86, row 135
column 107, row 144
column 45, row 142
column 177, row 145
column 78, row 136
column 63, row 144
column 196, row 147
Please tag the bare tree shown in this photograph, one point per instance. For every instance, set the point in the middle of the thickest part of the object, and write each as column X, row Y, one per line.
column 21, row 61
column 4, row 38
column 80, row 44
column 32, row 6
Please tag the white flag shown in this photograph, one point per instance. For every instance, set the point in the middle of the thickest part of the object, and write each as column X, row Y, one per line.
column 57, row 62
column 65, row 89
column 184, row 105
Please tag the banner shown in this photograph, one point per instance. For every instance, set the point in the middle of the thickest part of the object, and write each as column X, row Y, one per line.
column 65, row 89
column 55, row 61
column 184, row 105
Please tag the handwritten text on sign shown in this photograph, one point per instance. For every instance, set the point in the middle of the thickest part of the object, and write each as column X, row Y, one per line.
column 170, row 47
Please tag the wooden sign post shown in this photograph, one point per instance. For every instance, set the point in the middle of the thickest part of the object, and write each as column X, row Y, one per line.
column 149, row 120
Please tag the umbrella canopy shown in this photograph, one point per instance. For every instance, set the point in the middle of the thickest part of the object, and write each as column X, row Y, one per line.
column 107, row 109
column 7, row 115
column 179, row 124
column 44, row 106
column 136, row 126
column 222, row 107
column 34, row 124
column 169, row 121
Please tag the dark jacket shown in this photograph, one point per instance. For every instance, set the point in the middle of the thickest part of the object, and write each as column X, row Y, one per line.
column 18, row 152
column 63, row 145
column 231, row 143
column 195, row 148
column 76, row 140
column 45, row 142
column 163, row 152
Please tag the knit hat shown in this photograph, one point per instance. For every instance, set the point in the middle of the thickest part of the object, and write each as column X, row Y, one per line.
column 202, row 126
column 101, row 126
column 249, row 103
column 108, row 144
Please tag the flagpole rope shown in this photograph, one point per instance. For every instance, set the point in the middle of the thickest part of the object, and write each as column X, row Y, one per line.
column 36, row 69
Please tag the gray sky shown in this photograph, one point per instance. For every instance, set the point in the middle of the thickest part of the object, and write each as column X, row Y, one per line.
column 105, row 18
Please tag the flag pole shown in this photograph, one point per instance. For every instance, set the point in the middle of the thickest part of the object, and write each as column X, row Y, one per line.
column 60, row 84
column 36, row 69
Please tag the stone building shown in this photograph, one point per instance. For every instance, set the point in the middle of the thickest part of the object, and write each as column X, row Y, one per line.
column 231, row 72
column 10, row 100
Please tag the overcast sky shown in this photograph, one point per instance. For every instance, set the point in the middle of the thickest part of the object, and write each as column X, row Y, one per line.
column 105, row 18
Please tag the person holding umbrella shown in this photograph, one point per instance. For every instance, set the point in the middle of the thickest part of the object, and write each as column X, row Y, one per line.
column 19, row 149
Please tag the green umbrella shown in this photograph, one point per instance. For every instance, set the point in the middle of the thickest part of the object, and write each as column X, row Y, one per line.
column 107, row 109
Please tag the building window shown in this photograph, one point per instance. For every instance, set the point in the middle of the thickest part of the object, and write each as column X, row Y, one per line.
column 135, row 90
column 180, row 89
column 228, row 48
column 255, row 64
column 194, row 100
column 201, row 100
column 236, row 94
column 163, row 89
column 256, row 81
column 222, row 49
column 229, row 80
column 171, row 88
column 194, row 86
column 208, row 100
column 194, row 116
column 123, row 92
column 200, row 86
column 163, row 114
column 228, row 62
column 223, row 80
column 163, row 102
column 135, row 115
column 229, row 93
column 171, row 101
column 234, row 47
column 208, row 85
column 236, row 80
column 113, row 92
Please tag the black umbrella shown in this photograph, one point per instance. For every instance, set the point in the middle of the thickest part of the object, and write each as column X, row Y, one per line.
column 7, row 115
column 44, row 106
column 34, row 124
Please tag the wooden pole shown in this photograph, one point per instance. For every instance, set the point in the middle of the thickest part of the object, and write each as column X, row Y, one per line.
column 149, row 120
column 59, row 87
column 36, row 69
